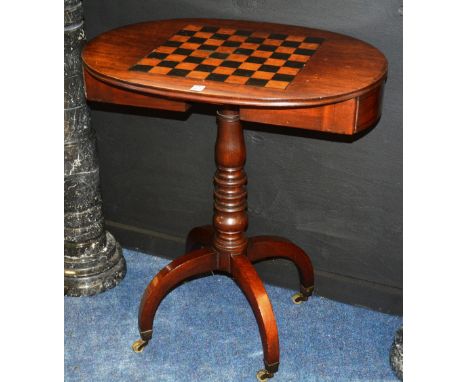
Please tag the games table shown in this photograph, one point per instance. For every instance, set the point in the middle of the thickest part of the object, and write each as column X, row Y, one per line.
column 275, row 74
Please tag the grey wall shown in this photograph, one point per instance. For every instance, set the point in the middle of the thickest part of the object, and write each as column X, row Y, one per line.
column 340, row 200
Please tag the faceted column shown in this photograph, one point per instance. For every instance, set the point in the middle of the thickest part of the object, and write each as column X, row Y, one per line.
column 93, row 259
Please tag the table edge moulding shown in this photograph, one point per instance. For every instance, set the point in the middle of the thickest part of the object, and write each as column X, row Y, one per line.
column 275, row 74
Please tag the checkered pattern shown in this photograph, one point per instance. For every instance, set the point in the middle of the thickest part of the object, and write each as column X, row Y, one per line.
column 244, row 57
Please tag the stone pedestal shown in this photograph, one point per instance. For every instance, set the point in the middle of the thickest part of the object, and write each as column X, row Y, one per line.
column 396, row 354
column 93, row 259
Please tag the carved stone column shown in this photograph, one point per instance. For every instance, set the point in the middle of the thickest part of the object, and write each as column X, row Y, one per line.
column 396, row 354
column 93, row 259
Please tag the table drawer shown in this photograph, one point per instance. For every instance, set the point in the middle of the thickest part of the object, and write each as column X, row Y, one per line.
column 346, row 117
column 99, row 91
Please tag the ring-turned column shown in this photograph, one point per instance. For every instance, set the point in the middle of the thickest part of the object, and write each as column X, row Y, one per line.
column 230, row 194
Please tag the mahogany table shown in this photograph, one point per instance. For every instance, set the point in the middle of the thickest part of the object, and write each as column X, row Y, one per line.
column 269, row 73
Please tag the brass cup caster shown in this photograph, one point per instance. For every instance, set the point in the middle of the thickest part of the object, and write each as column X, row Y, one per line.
column 139, row 345
column 263, row 375
column 302, row 296
column 299, row 298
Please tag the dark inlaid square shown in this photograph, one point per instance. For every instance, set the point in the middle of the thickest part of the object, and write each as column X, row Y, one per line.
column 305, row 52
column 158, row 55
column 233, row 44
column 269, row 68
column 141, row 68
column 209, row 29
column 208, row 47
column 194, row 60
column 172, row 43
column 205, row 68
column 241, row 32
column 220, row 36
column 267, row 48
column 255, row 40
column 246, row 52
column 256, row 82
column 280, row 56
column 221, row 56
column 217, row 77
column 294, row 64
column 231, row 64
column 178, row 72
column 283, row 77
column 290, row 44
column 185, row 32
column 243, row 73
column 168, row 64
column 317, row 40
column 256, row 60
column 196, row 40
column 183, row 52
column 278, row 36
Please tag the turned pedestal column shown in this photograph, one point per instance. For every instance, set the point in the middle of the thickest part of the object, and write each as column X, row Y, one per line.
column 223, row 246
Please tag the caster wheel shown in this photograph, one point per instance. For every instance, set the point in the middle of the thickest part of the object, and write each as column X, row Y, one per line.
column 263, row 375
column 303, row 295
column 298, row 298
column 139, row 345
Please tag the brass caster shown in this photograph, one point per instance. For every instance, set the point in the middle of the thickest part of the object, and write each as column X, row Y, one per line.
column 139, row 345
column 299, row 298
column 263, row 375
column 303, row 295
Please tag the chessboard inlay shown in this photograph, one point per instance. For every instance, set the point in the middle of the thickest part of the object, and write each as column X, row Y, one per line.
column 234, row 56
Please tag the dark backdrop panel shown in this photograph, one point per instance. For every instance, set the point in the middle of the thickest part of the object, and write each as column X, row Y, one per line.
column 340, row 200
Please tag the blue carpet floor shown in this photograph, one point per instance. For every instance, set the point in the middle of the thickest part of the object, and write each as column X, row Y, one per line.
column 205, row 331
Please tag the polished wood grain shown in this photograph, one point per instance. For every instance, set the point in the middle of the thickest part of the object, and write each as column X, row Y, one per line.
column 99, row 91
column 224, row 247
column 345, row 117
column 262, row 248
column 338, row 117
column 191, row 264
column 247, row 278
column 338, row 90
column 230, row 194
column 199, row 237
column 341, row 69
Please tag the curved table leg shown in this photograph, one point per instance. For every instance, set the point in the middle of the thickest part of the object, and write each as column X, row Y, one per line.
column 249, row 282
column 267, row 247
column 192, row 264
column 199, row 237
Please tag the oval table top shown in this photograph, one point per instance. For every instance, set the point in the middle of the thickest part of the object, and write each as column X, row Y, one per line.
column 235, row 62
